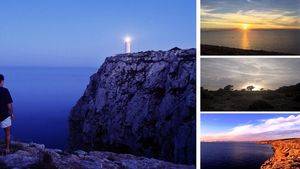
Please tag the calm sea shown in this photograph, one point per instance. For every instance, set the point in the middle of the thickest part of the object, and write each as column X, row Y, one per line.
column 43, row 98
column 285, row 41
column 227, row 155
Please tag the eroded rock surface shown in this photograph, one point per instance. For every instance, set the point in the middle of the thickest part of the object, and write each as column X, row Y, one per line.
column 286, row 154
column 142, row 103
column 36, row 156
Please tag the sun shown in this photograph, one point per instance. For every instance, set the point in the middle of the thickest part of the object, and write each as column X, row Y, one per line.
column 245, row 26
column 257, row 87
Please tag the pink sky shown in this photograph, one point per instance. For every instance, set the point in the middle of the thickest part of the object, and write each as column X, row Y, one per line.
column 269, row 129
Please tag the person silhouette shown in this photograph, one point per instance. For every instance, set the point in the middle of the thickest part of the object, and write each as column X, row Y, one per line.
column 6, row 112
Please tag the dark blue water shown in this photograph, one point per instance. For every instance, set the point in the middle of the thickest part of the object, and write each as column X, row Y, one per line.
column 43, row 98
column 285, row 41
column 227, row 155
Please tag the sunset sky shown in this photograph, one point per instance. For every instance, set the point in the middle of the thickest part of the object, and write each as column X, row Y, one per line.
column 242, row 72
column 255, row 14
column 249, row 127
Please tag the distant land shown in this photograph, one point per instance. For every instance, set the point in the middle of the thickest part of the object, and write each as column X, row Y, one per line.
column 221, row 50
column 286, row 154
column 286, row 98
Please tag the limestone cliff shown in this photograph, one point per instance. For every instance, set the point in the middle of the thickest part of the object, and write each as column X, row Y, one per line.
column 286, row 154
column 36, row 156
column 143, row 104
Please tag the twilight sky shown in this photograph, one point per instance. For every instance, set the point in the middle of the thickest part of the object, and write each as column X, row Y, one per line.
column 249, row 127
column 83, row 33
column 241, row 72
column 262, row 14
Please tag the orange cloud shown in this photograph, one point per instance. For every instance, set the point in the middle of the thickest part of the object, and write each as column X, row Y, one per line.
column 267, row 19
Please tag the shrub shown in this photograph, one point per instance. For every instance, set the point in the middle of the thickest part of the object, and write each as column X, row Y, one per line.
column 205, row 94
column 235, row 94
column 228, row 88
column 297, row 98
column 289, row 94
column 271, row 95
column 260, row 105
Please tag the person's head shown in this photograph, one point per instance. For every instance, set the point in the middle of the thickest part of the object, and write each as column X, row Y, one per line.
column 1, row 80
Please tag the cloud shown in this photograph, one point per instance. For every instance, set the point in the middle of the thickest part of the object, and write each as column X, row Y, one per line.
column 268, row 73
column 269, row 129
column 257, row 18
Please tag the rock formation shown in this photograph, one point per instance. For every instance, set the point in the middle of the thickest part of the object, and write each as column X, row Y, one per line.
column 286, row 154
column 36, row 156
column 143, row 104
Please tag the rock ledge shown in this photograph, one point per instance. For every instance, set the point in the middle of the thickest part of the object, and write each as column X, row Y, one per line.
column 36, row 156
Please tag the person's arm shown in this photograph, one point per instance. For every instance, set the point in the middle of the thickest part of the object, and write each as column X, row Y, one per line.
column 9, row 104
column 10, row 110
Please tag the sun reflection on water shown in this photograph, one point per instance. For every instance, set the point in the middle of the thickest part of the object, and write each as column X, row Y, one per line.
column 245, row 40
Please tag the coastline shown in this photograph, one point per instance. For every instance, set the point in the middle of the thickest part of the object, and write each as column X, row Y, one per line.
column 222, row 50
column 286, row 154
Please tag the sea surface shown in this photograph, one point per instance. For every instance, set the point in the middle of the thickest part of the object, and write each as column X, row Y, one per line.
column 284, row 41
column 43, row 98
column 237, row 155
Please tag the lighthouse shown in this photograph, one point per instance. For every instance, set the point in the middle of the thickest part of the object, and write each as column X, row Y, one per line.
column 127, row 41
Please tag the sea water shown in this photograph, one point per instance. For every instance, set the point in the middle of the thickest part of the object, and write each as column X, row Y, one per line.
column 284, row 41
column 43, row 98
column 234, row 155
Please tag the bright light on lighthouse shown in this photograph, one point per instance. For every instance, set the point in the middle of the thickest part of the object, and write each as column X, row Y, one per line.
column 127, row 41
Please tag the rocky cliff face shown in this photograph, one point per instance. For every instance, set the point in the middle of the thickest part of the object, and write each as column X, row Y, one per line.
column 286, row 154
column 141, row 103
column 36, row 156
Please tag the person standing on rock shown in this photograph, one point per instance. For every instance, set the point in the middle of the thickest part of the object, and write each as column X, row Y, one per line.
column 6, row 112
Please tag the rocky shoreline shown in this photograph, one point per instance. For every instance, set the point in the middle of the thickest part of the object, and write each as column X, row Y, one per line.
column 286, row 154
column 37, row 156
column 221, row 50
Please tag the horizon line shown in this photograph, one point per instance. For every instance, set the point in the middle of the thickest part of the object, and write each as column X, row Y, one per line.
column 42, row 66
column 211, row 29
column 259, row 90
column 288, row 138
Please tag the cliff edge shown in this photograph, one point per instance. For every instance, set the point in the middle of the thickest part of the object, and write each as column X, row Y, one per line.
column 141, row 103
column 286, row 154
